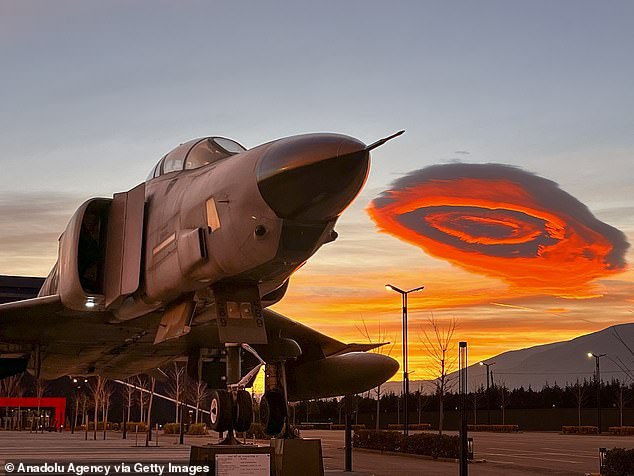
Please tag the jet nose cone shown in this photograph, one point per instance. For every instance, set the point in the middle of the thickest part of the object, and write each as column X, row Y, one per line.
column 312, row 177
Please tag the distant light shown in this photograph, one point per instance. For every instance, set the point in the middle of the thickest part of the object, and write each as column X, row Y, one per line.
column 481, row 363
column 74, row 380
column 90, row 304
column 389, row 287
column 589, row 354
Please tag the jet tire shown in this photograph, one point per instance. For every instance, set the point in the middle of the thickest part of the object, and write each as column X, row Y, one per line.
column 221, row 411
column 242, row 411
column 272, row 412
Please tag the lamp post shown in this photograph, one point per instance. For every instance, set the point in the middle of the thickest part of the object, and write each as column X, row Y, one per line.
column 405, row 367
column 597, row 377
column 488, row 393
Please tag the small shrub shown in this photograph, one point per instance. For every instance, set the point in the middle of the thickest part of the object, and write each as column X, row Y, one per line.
column 172, row 428
column 303, row 426
column 618, row 462
column 132, row 425
column 579, row 430
column 197, row 429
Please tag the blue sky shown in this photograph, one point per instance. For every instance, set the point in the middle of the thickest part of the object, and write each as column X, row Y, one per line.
column 92, row 94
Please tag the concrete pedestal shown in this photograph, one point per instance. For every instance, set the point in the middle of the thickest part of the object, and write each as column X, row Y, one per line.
column 298, row 456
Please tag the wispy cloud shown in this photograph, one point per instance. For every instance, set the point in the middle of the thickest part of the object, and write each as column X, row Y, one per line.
column 30, row 225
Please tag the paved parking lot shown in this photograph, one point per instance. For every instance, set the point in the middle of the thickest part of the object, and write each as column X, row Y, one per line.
column 505, row 454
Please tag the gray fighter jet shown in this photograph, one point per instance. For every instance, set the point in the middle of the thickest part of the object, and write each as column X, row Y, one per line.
column 184, row 265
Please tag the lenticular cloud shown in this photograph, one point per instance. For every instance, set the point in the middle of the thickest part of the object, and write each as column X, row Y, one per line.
column 501, row 221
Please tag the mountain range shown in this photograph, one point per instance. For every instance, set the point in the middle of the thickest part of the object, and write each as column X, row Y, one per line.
column 558, row 363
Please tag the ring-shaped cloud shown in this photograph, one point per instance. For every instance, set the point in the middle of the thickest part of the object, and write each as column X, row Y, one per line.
column 501, row 221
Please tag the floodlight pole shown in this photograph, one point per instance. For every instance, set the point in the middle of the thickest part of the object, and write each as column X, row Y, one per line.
column 462, row 391
column 405, row 353
column 489, row 372
column 597, row 378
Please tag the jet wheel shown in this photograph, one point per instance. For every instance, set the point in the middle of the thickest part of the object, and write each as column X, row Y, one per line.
column 221, row 411
column 242, row 411
column 272, row 412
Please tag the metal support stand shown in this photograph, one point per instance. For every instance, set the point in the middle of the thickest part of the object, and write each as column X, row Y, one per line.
column 348, row 436
column 234, row 374
column 462, row 393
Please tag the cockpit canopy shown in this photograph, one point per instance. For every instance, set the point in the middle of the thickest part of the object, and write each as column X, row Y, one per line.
column 196, row 153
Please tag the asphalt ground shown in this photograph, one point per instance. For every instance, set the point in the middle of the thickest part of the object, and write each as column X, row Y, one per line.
column 503, row 454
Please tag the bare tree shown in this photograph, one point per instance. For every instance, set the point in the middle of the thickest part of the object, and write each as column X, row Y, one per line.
column 200, row 395
column 11, row 387
column 106, row 397
column 503, row 400
column 580, row 393
column 440, row 347
column 176, row 386
column 40, row 390
column 143, row 397
column 148, row 435
column 381, row 337
column 128, row 397
column 621, row 399
column 96, row 387
column 477, row 394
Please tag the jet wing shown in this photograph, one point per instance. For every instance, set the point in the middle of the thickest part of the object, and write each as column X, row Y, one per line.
column 314, row 344
column 29, row 311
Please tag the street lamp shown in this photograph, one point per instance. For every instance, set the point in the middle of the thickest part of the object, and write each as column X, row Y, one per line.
column 597, row 377
column 488, row 393
column 405, row 367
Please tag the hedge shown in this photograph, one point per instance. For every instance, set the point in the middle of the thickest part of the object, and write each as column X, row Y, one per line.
column 621, row 430
column 412, row 426
column 618, row 462
column 436, row 446
column 335, row 426
column 580, row 430
column 495, row 428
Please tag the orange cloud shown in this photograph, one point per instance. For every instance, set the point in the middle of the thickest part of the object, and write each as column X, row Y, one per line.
column 503, row 222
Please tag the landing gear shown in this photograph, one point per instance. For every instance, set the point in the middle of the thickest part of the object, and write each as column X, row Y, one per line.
column 242, row 411
column 231, row 410
column 221, row 411
column 272, row 412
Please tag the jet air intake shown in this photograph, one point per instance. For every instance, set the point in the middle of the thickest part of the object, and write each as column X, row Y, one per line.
column 312, row 177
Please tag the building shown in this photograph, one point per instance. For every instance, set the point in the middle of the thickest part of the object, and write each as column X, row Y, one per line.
column 16, row 288
column 32, row 413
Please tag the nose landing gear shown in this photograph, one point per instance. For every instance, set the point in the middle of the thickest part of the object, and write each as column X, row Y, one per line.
column 231, row 411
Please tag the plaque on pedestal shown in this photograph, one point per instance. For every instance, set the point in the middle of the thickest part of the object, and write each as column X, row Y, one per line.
column 238, row 460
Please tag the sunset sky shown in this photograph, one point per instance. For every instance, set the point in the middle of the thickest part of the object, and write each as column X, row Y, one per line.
column 93, row 94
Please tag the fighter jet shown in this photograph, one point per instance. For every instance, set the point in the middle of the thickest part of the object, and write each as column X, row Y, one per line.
column 185, row 265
